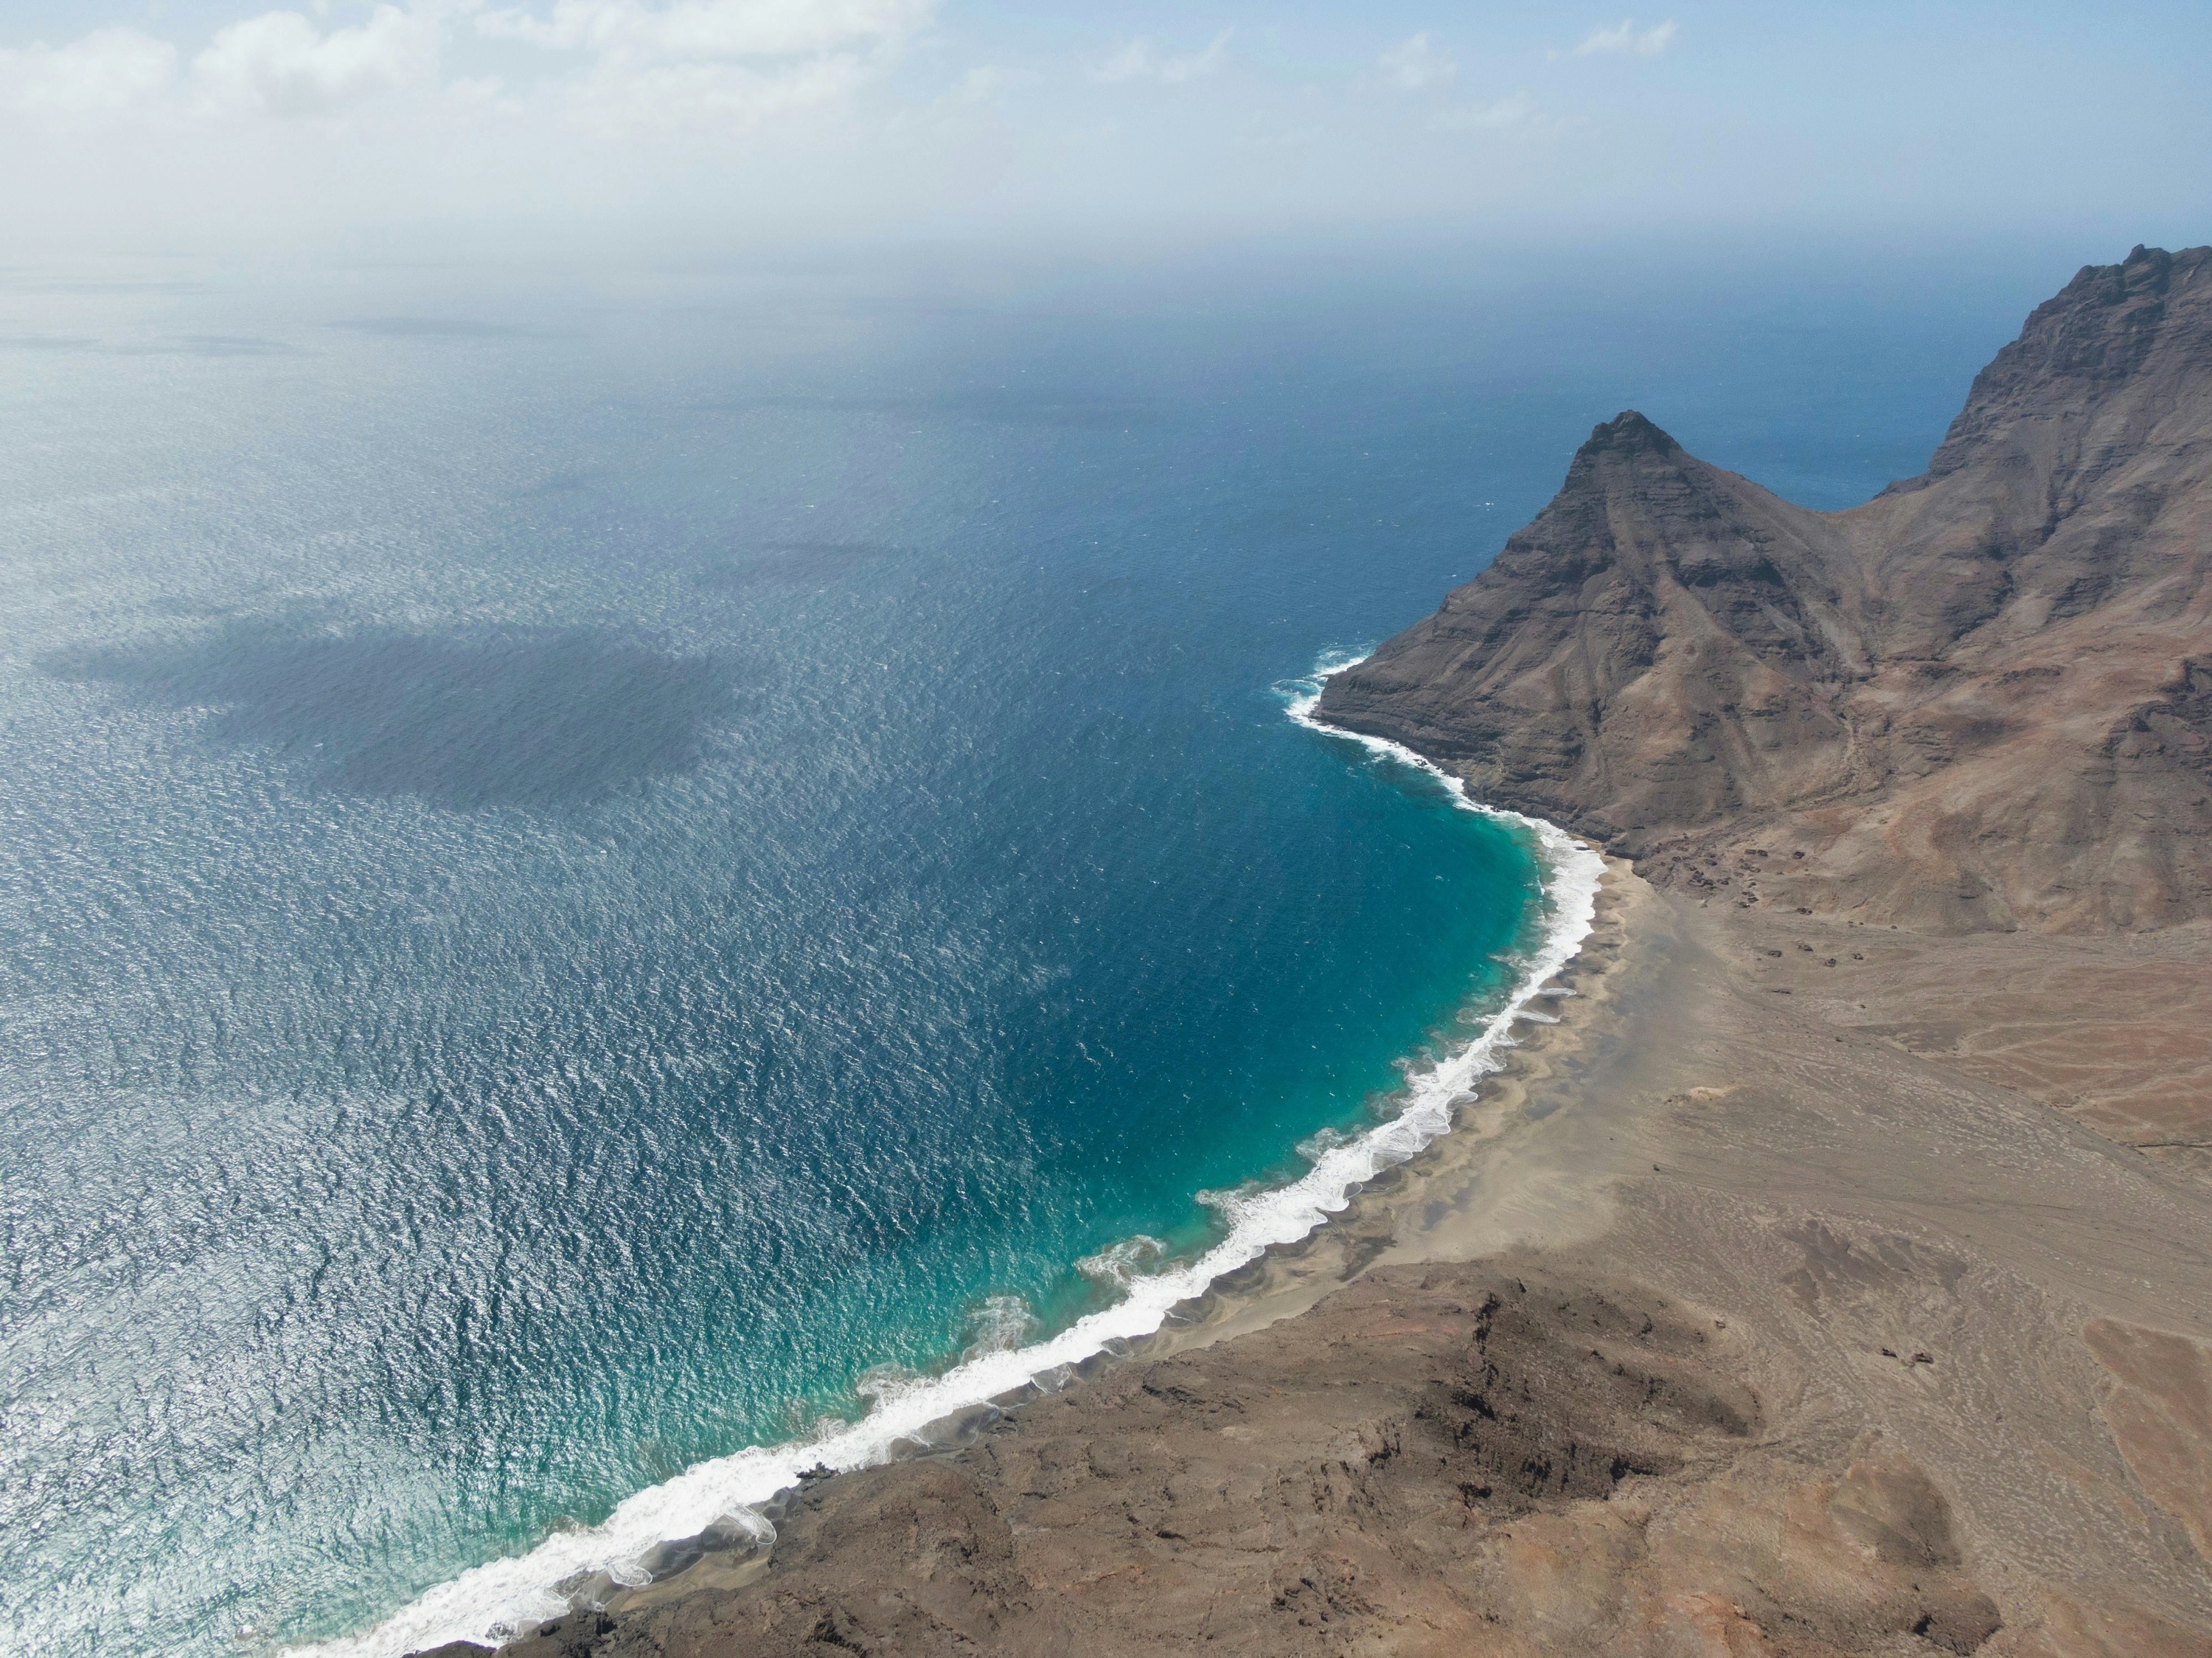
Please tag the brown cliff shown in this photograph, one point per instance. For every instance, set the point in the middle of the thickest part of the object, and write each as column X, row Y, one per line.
column 1981, row 701
column 1765, row 1307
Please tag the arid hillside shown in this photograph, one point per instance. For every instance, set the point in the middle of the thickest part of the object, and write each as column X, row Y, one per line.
column 1983, row 701
column 1833, row 1274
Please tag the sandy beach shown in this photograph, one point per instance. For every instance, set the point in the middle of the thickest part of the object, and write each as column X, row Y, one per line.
column 1829, row 1269
column 1759, row 1305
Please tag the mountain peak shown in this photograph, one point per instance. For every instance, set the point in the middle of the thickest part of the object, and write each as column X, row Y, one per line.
column 2140, row 331
column 1629, row 432
column 1674, row 659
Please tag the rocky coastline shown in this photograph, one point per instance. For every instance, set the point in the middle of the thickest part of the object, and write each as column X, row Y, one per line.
column 1835, row 1275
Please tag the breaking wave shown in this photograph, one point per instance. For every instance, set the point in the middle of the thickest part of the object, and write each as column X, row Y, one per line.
column 723, row 1497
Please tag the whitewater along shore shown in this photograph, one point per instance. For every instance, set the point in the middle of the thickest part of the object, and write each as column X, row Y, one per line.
column 1835, row 1276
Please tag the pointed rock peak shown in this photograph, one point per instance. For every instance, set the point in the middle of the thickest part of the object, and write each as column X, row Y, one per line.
column 2144, row 271
column 1629, row 433
column 2148, row 318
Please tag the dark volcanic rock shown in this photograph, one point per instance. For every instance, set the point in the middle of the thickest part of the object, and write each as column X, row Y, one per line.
column 1978, row 701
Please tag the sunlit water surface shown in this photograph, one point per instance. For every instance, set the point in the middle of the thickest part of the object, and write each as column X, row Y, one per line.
column 588, row 874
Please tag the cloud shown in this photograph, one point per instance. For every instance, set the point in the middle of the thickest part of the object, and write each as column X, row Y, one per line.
column 618, row 97
column 1516, row 109
column 608, row 65
column 981, row 84
column 729, row 65
column 281, row 63
column 108, row 70
column 1416, row 63
column 711, row 29
column 1140, row 60
column 277, row 64
column 1625, row 37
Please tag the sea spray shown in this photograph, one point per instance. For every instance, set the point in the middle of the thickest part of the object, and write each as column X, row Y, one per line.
column 1000, row 1324
column 502, row 1598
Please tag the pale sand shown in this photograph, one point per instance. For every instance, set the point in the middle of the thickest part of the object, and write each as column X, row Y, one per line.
column 1793, row 1163
column 1704, row 1208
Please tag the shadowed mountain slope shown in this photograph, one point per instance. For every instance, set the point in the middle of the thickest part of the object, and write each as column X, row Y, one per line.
column 1983, row 700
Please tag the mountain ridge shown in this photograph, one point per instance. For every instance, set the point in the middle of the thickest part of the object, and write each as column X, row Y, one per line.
column 1772, row 1299
column 1980, row 701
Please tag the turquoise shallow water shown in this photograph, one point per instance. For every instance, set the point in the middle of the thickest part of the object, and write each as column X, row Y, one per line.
column 593, row 879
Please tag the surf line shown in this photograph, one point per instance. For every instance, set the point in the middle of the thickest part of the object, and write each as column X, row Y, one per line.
column 504, row 1599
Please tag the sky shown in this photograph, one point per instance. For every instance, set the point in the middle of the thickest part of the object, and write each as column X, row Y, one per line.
column 224, row 125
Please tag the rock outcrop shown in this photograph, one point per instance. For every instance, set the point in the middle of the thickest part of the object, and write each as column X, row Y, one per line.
column 1765, row 1307
column 1438, row 1461
column 1981, row 701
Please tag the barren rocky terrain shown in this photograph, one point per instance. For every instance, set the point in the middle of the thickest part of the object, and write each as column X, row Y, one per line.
column 1835, row 1275
column 1980, row 701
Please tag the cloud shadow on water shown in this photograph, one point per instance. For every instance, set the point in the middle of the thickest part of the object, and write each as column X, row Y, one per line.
column 212, row 345
column 533, row 717
column 233, row 345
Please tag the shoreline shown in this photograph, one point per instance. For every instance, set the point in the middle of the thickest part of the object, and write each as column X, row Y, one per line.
column 723, row 1510
column 1715, row 1121
column 1886, row 1294
column 1884, row 1353
column 1288, row 1279
column 1396, row 1217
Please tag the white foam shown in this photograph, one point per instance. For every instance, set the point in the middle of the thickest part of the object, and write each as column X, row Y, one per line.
column 504, row 1598
column 1119, row 1263
column 1000, row 1324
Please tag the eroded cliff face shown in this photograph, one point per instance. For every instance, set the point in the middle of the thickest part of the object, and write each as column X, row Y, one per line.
column 1983, row 700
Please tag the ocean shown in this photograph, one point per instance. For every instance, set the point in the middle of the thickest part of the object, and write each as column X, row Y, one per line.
column 608, row 879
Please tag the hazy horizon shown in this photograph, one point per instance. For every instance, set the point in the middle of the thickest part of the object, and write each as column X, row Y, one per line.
column 572, row 129
column 655, row 719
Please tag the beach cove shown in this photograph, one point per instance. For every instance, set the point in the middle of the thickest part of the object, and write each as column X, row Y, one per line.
column 794, row 686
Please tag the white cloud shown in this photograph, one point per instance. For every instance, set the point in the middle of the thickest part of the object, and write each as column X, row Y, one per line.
column 106, row 71
column 711, row 29
column 1625, row 36
column 1515, row 110
column 1140, row 60
column 727, row 64
column 1416, row 63
column 281, row 63
column 616, row 97
column 606, row 66
column 982, row 83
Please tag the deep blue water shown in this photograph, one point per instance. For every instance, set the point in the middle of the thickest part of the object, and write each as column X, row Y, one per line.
column 590, row 870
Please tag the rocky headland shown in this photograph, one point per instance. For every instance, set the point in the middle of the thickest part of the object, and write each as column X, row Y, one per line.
column 1980, row 701
column 1835, row 1276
